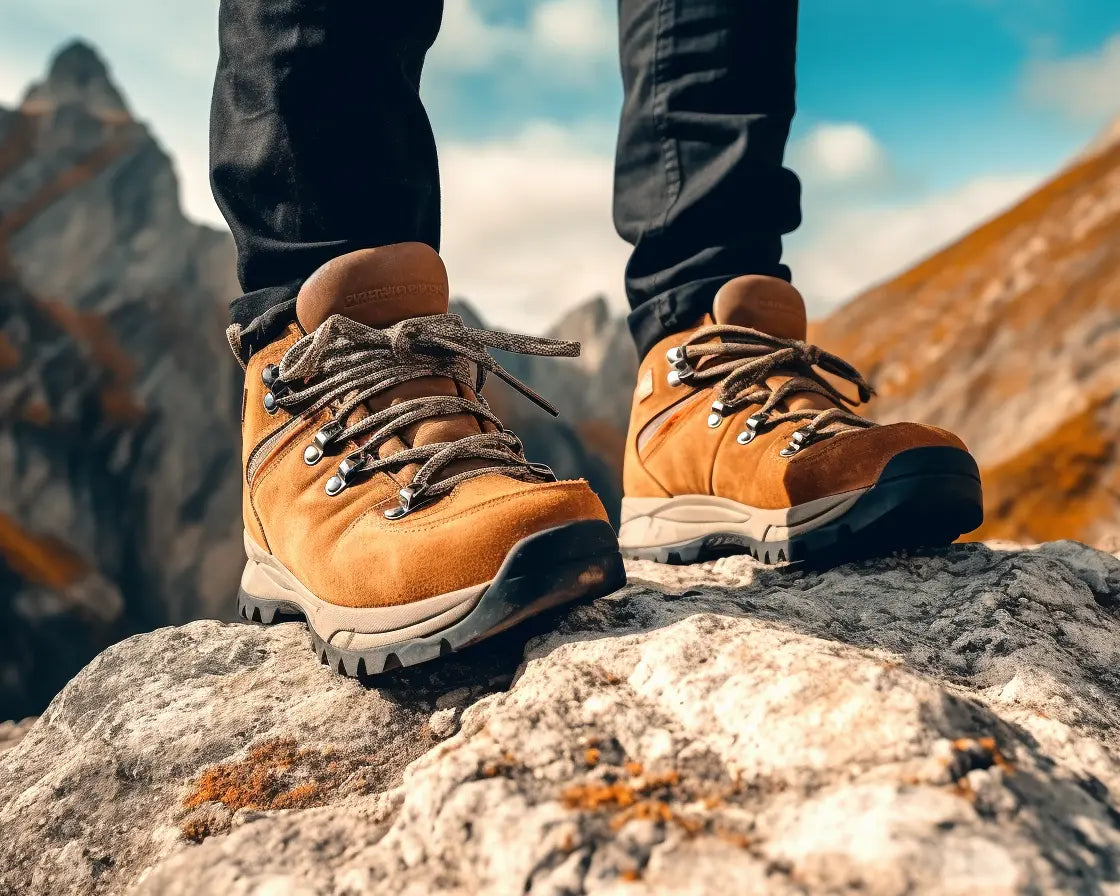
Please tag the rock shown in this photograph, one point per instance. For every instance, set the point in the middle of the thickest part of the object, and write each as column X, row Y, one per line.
column 77, row 77
column 945, row 723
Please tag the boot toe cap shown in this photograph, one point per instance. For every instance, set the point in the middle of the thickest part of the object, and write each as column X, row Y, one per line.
column 854, row 460
column 463, row 539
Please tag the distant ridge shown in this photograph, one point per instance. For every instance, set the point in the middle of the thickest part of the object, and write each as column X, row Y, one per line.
column 1010, row 337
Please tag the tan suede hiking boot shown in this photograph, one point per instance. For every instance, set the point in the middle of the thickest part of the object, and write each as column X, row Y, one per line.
column 384, row 501
column 738, row 443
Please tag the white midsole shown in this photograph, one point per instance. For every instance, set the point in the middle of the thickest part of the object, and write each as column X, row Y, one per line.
column 661, row 522
column 354, row 628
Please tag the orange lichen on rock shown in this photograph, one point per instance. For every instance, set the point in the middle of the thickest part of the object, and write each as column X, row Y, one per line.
column 197, row 829
column 275, row 775
column 40, row 559
column 616, row 794
column 651, row 799
column 989, row 747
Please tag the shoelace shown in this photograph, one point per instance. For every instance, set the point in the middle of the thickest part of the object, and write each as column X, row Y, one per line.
column 344, row 363
column 752, row 356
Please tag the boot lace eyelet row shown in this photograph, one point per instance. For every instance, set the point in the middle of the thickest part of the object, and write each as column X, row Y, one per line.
column 344, row 364
column 741, row 360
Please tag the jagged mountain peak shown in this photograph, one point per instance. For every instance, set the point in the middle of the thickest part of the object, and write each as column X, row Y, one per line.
column 78, row 76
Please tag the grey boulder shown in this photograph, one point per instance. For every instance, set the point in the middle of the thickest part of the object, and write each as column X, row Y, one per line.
column 937, row 724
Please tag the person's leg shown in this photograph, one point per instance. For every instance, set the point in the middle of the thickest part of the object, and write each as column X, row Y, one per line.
column 738, row 439
column 319, row 142
column 700, row 191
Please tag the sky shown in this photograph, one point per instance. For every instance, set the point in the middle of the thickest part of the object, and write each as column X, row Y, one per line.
column 916, row 121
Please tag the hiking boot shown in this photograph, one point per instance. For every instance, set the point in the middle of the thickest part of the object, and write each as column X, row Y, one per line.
column 384, row 501
column 741, row 441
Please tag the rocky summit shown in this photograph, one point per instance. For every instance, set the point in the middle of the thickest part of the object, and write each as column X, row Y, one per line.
column 946, row 723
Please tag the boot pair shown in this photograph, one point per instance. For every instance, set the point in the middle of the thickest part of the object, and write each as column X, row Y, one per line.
column 387, row 504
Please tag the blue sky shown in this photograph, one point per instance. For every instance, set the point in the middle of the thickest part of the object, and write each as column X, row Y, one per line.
column 916, row 120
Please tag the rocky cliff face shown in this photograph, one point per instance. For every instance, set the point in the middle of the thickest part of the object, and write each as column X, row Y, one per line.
column 1010, row 337
column 118, row 398
column 937, row 724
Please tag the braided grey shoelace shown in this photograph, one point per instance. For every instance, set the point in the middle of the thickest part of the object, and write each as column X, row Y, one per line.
column 344, row 363
column 751, row 357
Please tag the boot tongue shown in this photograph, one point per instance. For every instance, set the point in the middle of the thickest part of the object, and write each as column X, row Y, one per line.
column 767, row 304
column 770, row 306
column 376, row 287
column 381, row 287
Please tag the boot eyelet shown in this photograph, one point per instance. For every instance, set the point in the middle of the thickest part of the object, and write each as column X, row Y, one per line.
column 411, row 498
column 269, row 374
column 353, row 464
column 797, row 441
column 318, row 447
column 276, row 391
column 715, row 418
column 679, row 377
column 754, row 422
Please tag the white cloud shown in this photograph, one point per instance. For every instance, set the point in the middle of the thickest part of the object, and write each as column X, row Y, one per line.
column 467, row 42
column 571, row 32
column 843, row 153
column 849, row 246
column 576, row 29
column 1085, row 86
column 527, row 226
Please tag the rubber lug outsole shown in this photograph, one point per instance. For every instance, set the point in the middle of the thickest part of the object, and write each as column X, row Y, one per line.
column 924, row 498
column 576, row 562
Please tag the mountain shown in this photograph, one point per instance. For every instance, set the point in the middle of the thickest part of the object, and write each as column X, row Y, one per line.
column 118, row 396
column 1010, row 337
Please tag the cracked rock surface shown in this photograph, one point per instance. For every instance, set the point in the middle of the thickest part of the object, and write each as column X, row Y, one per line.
column 942, row 724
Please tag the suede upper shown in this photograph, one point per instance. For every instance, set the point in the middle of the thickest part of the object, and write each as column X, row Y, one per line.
column 671, row 450
column 342, row 547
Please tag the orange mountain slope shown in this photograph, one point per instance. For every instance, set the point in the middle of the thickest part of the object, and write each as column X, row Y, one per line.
column 1011, row 338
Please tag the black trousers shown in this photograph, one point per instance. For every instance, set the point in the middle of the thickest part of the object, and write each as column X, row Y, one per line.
column 320, row 145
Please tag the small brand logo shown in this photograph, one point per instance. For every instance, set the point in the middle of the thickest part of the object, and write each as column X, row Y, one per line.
column 396, row 291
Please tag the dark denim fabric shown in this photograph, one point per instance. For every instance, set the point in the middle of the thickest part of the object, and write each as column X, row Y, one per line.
column 320, row 145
